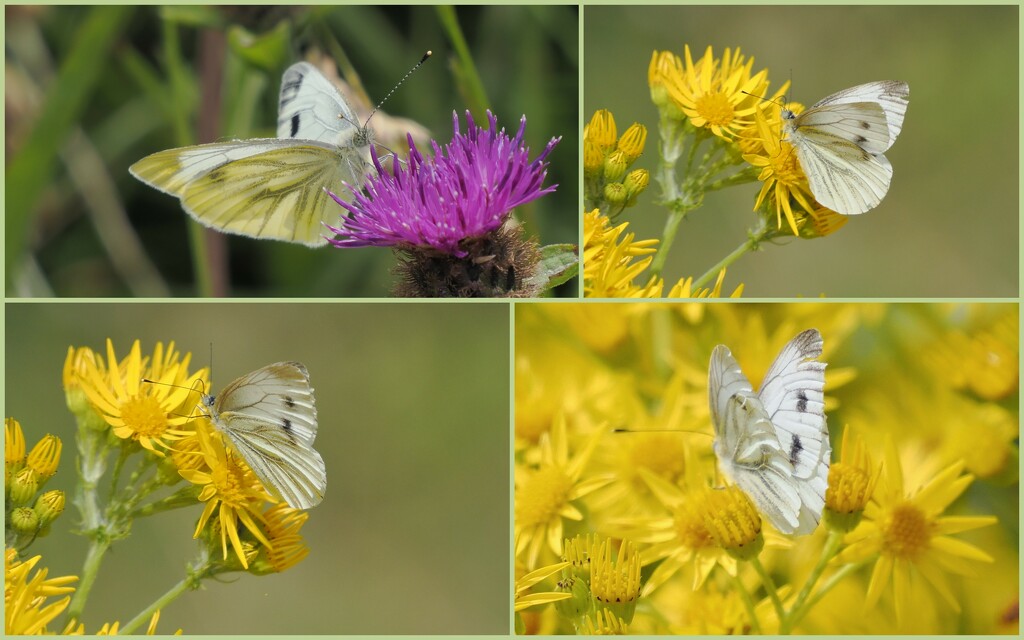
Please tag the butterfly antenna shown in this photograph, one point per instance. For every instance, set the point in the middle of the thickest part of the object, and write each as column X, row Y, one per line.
column 404, row 78
column 624, row 430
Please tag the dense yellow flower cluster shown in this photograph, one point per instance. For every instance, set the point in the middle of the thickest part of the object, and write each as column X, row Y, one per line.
column 614, row 462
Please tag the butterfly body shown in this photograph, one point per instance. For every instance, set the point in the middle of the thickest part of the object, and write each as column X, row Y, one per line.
column 774, row 443
column 272, row 188
column 840, row 140
column 269, row 417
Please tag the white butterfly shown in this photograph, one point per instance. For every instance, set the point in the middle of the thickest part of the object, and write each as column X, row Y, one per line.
column 840, row 141
column 272, row 187
column 774, row 444
column 270, row 418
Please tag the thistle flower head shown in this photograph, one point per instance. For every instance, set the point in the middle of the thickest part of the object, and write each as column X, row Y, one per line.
column 467, row 190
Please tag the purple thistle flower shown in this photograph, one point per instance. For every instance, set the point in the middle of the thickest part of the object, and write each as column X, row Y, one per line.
column 466, row 190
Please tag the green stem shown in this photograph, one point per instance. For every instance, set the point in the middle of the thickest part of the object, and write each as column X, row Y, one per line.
column 668, row 237
column 748, row 603
column 827, row 586
column 769, row 586
column 466, row 70
column 752, row 241
column 90, row 571
column 799, row 607
column 190, row 582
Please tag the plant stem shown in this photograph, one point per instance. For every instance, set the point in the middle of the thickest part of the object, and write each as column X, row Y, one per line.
column 188, row 583
column 800, row 605
column 748, row 603
column 90, row 571
column 466, row 70
column 752, row 241
column 769, row 586
column 671, row 227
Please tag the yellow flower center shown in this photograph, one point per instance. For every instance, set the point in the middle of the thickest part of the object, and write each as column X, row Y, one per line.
column 144, row 416
column 690, row 519
column 615, row 582
column 662, row 455
column 542, row 497
column 716, row 109
column 785, row 167
column 907, row 531
column 231, row 483
column 847, row 490
column 732, row 520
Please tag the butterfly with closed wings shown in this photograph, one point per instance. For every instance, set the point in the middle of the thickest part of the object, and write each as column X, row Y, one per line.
column 774, row 444
column 840, row 141
column 269, row 417
column 272, row 188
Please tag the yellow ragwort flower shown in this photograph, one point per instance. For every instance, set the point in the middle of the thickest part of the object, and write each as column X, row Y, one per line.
column 287, row 546
column 615, row 584
column 26, row 607
column 910, row 539
column 851, row 483
column 149, row 414
column 716, row 94
column 607, row 624
column 230, row 489
column 544, row 496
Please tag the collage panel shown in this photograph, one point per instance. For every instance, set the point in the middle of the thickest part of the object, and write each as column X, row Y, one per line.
column 290, row 151
column 129, row 501
column 766, row 468
column 801, row 151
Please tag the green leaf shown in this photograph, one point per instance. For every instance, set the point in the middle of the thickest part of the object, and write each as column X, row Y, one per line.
column 559, row 263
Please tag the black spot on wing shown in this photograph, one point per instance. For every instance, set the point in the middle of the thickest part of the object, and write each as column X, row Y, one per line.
column 801, row 401
column 288, row 402
column 295, row 126
column 794, row 449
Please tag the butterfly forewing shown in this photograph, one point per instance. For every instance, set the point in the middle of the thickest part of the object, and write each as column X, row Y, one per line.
column 269, row 416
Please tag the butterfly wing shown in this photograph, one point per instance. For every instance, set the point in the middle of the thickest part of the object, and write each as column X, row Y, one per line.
column 270, row 418
column 892, row 96
column 792, row 394
column 311, row 108
column 840, row 141
column 171, row 170
column 746, row 444
column 277, row 194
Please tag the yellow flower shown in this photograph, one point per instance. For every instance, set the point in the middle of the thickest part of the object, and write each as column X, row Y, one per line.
column 716, row 94
column 544, row 496
column 615, row 584
column 608, row 624
column 287, row 547
column 26, row 610
column 145, row 413
column 230, row 489
column 851, row 483
column 910, row 538
column 611, row 267
column 14, row 444
column 523, row 584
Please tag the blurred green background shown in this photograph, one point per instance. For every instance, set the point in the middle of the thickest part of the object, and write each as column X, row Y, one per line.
column 413, row 405
column 949, row 225
column 98, row 88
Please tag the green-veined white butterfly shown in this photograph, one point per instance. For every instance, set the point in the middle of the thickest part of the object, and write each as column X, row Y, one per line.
column 272, row 187
column 774, row 444
column 269, row 416
column 840, row 141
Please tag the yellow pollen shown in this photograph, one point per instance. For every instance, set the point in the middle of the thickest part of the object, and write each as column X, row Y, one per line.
column 231, row 484
column 690, row 529
column 732, row 519
column 847, row 490
column 785, row 166
column 542, row 497
column 716, row 109
column 144, row 416
column 907, row 531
